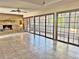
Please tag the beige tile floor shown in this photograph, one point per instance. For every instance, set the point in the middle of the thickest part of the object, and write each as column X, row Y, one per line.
column 28, row 46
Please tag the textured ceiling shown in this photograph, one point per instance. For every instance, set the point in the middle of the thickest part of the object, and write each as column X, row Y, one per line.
column 28, row 5
column 39, row 2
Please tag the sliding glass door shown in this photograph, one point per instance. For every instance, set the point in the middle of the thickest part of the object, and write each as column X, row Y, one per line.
column 68, row 27
column 74, row 28
column 31, row 25
column 37, row 25
column 63, row 26
column 42, row 25
column 49, row 26
column 26, row 24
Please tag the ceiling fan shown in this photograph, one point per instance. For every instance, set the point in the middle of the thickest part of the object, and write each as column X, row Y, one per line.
column 18, row 10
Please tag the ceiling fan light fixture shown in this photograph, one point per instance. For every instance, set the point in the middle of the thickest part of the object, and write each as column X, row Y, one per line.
column 18, row 10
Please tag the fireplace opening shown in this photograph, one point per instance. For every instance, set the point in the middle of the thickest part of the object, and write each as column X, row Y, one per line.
column 7, row 27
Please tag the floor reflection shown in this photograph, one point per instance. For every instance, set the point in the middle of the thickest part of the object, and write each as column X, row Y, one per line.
column 30, row 46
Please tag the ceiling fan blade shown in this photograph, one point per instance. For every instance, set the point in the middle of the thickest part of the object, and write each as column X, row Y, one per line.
column 13, row 11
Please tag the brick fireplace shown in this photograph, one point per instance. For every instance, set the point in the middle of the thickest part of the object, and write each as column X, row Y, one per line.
column 7, row 27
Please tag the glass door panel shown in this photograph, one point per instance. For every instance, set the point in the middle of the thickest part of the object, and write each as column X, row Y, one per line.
column 49, row 26
column 63, row 26
column 42, row 25
column 31, row 25
column 37, row 25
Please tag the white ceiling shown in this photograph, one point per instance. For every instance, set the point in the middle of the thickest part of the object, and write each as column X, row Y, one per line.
column 24, row 3
column 27, row 5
